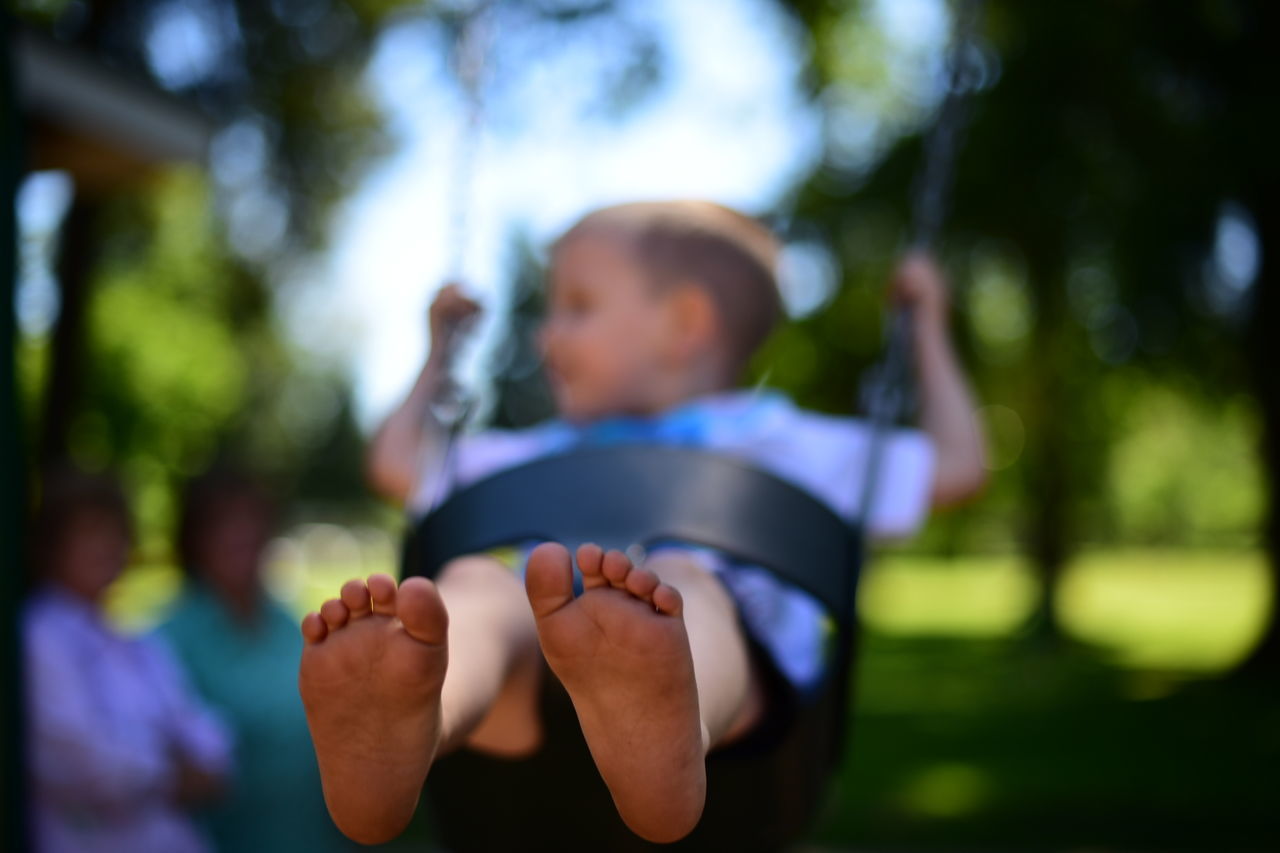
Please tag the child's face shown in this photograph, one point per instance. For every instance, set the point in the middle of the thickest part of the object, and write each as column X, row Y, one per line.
column 605, row 337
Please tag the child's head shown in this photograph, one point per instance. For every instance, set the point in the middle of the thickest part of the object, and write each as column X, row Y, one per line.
column 652, row 303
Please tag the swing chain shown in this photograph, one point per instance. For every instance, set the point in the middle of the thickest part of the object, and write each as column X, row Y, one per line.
column 887, row 391
column 932, row 188
column 451, row 403
column 470, row 67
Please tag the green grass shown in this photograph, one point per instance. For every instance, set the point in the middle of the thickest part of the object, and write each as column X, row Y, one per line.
column 969, row 735
column 1187, row 611
column 139, row 598
column 962, row 597
column 1168, row 609
column 963, row 744
column 1184, row 611
column 302, row 570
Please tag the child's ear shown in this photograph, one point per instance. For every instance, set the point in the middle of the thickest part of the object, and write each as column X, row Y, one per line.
column 695, row 323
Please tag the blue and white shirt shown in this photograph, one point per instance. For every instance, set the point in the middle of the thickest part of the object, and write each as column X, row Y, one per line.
column 824, row 454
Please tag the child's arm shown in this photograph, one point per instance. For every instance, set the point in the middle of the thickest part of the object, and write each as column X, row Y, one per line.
column 947, row 408
column 400, row 444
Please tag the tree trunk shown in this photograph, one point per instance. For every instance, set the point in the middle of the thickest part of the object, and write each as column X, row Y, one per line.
column 1264, row 357
column 1048, row 476
column 62, row 394
column 13, row 478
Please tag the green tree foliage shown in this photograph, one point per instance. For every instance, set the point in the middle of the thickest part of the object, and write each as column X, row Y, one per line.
column 184, row 361
column 181, row 373
column 1106, row 154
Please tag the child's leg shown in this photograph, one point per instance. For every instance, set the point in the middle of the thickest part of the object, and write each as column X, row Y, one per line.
column 490, row 696
column 657, row 676
column 379, row 702
column 730, row 694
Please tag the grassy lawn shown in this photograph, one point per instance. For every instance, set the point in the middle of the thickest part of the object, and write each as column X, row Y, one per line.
column 968, row 735
column 988, row 745
column 1183, row 611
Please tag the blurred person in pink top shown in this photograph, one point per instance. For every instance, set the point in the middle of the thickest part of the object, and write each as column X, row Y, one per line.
column 117, row 747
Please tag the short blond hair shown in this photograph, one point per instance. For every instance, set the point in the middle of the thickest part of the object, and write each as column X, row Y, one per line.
column 730, row 255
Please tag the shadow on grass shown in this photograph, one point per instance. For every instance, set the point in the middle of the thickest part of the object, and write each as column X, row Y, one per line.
column 1000, row 745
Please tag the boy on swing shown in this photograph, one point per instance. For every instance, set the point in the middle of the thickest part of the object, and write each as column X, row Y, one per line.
column 653, row 311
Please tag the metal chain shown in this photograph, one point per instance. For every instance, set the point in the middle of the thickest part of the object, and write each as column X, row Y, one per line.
column 887, row 388
column 932, row 189
column 470, row 67
column 452, row 403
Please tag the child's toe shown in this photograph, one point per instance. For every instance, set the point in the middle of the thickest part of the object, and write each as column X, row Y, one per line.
column 642, row 584
column 617, row 566
column 334, row 613
column 590, row 558
column 421, row 611
column 314, row 628
column 382, row 593
column 355, row 595
column 667, row 599
column 548, row 580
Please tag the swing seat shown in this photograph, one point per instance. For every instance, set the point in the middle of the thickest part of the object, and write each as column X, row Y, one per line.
column 763, row 791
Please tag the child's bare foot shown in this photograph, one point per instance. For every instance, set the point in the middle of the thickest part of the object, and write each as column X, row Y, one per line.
column 622, row 653
column 370, row 680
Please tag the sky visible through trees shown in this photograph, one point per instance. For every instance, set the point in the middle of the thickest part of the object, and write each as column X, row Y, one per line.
column 336, row 197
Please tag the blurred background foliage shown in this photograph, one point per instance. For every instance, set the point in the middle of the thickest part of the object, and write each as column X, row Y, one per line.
column 1115, row 197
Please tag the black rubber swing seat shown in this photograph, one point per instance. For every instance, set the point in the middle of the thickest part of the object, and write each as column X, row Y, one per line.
column 763, row 792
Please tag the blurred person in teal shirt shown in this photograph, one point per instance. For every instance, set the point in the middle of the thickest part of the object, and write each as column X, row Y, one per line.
column 241, row 649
